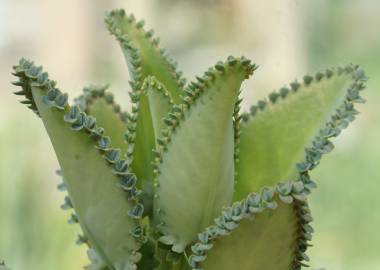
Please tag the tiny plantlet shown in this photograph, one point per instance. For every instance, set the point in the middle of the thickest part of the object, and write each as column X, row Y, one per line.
column 184, row 179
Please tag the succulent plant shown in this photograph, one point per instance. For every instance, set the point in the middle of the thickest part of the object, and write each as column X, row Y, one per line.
column 184, row 180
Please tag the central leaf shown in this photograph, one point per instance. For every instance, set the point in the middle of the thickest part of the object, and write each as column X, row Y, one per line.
column 192, row 189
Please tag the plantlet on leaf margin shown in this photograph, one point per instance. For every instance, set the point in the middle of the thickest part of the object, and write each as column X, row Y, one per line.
column 184, row 180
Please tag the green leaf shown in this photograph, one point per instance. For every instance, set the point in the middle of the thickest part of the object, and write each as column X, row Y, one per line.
column 141, row 141
column 97, row 262
column 144, row 59
column 191, row 191
column 152, row 103
column 142, row 53
column 160, row 102
column 97, row 102
column 260, row 232
column 295, row 126
column 105, row 212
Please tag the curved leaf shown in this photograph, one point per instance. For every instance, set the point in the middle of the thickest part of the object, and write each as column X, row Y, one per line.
column 264, row 231
column 278, row 133
column 108, row 216
column 142, row 53
column 144, row 58
column 190, row 191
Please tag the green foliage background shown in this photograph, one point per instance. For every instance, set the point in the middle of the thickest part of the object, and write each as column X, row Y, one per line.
column 77, row 49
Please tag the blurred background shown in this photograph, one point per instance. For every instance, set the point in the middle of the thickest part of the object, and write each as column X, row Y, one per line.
column 287, row 38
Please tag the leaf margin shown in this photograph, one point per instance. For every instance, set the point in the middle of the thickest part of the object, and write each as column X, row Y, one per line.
column 263, row 201
column 191, row 94
column 31, row 76
column 345, row 113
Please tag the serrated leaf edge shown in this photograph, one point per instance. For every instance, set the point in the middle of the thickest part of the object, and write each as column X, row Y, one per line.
column 192, row 93
column 248, row 208
column 29, row 75
column 345, row 114
column 93, row 92
column 134, row 54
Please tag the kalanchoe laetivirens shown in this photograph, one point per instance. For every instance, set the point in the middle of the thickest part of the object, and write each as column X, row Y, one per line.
column 184, row 179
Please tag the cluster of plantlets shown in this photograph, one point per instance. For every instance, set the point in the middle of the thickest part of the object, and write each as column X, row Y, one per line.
column 184, row 180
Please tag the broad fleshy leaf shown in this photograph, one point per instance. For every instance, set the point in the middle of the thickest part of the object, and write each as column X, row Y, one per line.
column 94, row 174
column 260, row 232
column 294, row 127
column 195, row 157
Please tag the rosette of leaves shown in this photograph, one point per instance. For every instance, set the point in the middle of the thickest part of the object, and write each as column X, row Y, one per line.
column 184, row 180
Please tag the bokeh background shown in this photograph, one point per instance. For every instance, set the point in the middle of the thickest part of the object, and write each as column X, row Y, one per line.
column 287, row 38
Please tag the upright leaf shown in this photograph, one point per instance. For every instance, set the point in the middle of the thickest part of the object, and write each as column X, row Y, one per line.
column 142, row 53
column 95, row 175
column 194, row 163
column 144, row 59
column 294, row 124
column 160, row 103
column 151, row 103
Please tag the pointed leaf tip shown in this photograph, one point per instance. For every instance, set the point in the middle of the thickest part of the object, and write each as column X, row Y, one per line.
column 208, row 117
